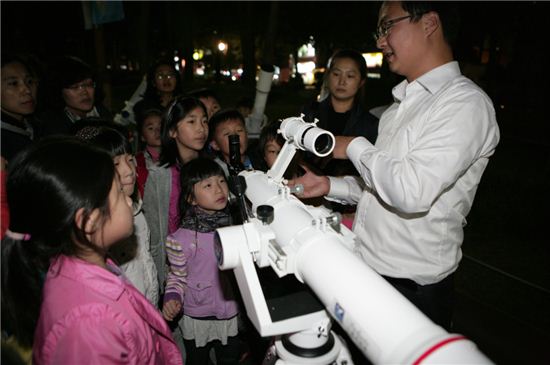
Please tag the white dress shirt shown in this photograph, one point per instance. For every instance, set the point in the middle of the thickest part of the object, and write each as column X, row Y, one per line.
column 419, row 180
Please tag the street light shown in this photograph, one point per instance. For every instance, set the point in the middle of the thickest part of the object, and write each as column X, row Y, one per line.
column 222, row 48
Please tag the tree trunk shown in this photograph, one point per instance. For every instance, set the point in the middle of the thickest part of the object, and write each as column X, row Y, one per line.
column 188, row 46
column 268, row 52
column 142, row 30
column 248, row 77
column 104, row 78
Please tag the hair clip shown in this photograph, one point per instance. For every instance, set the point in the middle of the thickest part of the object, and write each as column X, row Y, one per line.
column 87, row 133
column 18, row 236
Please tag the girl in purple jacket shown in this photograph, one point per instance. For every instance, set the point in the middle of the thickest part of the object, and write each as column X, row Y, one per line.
column 195, row 285
column 61, row 294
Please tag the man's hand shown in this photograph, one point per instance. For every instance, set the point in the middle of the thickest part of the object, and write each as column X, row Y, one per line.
column 314, row 185
column 340, row 146
column 170, row 309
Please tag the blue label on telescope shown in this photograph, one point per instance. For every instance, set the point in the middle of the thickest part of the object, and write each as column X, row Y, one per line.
column 339, row 312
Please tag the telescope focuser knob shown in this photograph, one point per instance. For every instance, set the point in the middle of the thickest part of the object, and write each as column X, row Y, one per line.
column 265, row 213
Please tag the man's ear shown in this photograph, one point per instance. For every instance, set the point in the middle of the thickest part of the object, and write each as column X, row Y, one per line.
column 430, row 23
column 214, row 145
column 91, row 224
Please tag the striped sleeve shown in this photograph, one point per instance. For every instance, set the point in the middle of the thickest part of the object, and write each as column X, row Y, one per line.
column 177, row 275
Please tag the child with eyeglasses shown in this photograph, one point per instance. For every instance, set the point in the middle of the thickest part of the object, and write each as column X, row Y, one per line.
column 163, row 86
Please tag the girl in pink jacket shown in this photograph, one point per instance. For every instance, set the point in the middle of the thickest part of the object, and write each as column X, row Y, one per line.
column 67, row 207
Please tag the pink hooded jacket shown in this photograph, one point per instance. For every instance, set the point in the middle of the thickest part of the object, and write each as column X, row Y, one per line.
column 92, row 316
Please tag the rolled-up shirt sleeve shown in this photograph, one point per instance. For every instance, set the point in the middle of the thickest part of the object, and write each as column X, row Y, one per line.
column 456, row 135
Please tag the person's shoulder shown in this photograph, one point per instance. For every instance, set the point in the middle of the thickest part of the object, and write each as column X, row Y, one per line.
column 362, row 113
column 160, row 171
column 100, row 322
column 140, row 157
column 464, row 88
column 104, row 112
column 180, row 236
column 54, row 121
column 50, row 113
column 377, row 111
column 181, row 233
column 311, row 107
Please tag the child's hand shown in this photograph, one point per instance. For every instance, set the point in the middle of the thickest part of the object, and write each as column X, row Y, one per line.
column 170, row 309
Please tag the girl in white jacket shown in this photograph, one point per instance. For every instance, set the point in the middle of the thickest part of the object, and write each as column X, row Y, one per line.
column 133, row 254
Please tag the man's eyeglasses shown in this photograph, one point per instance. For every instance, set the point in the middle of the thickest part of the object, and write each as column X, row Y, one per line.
column 82, row 86
column 165, row 76
column 384, row 29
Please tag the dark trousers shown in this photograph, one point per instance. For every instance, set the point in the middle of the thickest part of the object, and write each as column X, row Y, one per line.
column 225, row 354
column 436, row 301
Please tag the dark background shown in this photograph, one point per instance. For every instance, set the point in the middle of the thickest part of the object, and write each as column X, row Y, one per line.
column 503, row 283
column 510, row 35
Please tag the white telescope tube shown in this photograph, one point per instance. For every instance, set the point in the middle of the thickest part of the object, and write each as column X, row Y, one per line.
column 307, row 136
column 256, row 120
column 126, row 116
column 383, row 324
column 300, row 135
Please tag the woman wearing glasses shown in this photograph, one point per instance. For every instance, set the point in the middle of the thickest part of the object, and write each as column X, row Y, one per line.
column 75, row 96
column 163, row 85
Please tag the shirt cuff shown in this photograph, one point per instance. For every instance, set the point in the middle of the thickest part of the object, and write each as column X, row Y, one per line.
column 356, row 148
column 171, row 296
column 338, row 189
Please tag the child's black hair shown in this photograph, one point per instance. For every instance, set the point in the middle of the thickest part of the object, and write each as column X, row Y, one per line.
column 191, row 173
column 268, row 133
column 26, row 61
column 140, row 121
column 47, row 184
column 70, row 70
column 245, row 102
column 109, row 140
column 220, row 117
column 203, row 93
column 179, row 108
column 151, row 90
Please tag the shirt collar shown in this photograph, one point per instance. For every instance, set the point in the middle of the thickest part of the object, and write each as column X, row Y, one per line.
column 74, row 118
column 432, row 81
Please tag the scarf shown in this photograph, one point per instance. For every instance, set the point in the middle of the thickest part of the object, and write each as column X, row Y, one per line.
column 200, row 221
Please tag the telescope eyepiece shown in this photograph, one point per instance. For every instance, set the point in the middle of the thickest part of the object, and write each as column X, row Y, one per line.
column 307, row 136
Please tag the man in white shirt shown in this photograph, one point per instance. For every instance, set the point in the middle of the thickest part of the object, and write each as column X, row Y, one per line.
column 419, row 180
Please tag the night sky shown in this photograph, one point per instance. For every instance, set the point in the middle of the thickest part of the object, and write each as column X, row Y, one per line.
column 512, row 32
